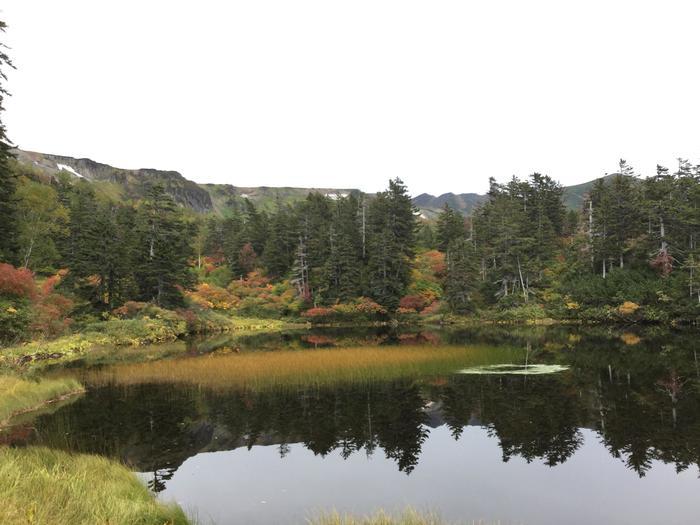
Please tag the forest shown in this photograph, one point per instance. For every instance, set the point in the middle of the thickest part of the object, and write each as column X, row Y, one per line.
column 71, row 257
column 147, row 269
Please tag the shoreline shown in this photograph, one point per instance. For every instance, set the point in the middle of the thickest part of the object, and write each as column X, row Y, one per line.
column 6, row 423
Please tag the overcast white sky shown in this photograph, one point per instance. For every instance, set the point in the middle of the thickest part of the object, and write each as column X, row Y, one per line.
column 443, row 94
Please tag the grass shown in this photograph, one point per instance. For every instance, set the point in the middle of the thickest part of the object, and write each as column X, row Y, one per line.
column 20, row 395
column 408, row 517
column 43, row 486
column 291, row 368
column 123, row 333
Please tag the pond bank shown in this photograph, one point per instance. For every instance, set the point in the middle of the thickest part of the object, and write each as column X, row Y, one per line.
column 43, row 486
column 122, row 333
column 18, row 396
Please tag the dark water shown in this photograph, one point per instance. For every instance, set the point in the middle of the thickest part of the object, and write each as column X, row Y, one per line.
column 615, row 438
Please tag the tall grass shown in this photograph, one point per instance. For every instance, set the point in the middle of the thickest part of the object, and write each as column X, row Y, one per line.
column 42, row 486
column 21, row 395
column 408, row 517
column 290, row 368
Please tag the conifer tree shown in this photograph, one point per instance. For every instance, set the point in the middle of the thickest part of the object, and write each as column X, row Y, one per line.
column 343, row 267
column 8, row 204
column 255, row 228
column 279, row 248
column 162, row 261
column 391, row 244
column 450, row 227
column 461, row 276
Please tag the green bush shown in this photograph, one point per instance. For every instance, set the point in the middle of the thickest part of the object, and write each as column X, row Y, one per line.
column 220, row 277
column 15, row 319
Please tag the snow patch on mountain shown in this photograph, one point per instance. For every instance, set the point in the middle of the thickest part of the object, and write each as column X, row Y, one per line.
column 65, row 167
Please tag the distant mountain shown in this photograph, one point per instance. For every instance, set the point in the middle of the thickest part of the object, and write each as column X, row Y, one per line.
column 121, row 184
column 575, row 196
column 430, row 205
column 131, row 185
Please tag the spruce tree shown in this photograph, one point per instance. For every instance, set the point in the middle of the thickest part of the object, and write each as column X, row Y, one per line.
column 8, row 204
column 342, row 278
column 460, row 277
column 392, row 229
column 450, row 227
column 162, row 261
column 279, row 248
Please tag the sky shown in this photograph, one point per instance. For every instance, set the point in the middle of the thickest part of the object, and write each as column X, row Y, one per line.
column 348, row 94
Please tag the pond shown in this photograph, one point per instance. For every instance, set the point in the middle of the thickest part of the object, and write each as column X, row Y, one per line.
column 545, row 425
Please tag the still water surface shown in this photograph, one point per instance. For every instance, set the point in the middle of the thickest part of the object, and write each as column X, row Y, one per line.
column 611, row 434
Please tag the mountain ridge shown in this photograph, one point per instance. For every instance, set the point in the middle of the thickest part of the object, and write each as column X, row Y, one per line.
column 132, row 184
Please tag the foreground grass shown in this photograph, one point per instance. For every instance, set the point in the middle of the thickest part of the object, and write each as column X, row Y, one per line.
column 42, row 486
column 293, row 368
column 123, row 333
column 408, row 517
column 20, row 395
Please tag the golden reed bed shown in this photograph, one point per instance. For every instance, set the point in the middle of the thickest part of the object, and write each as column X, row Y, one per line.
column 303, row 367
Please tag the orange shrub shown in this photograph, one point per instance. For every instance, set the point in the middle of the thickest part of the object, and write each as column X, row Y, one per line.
column 209, row 296
column 16, row 282
column 368, row 306
column 51, row 310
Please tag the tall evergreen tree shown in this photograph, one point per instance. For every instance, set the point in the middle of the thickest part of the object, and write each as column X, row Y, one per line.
column 450, row 227
column 164, row 249
column 460, row 278
column 279, row 248
column 343, row 267
column 392, row 228
column 8, row 204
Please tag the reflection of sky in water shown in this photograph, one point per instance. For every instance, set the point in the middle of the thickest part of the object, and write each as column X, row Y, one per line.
column 465, row 480
column 643, row 400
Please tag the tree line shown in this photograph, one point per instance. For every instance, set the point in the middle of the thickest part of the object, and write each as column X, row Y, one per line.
column 634, row 240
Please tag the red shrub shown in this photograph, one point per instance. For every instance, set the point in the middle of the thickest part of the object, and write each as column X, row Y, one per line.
column 51, row 315
column 434, row 308
column 317, row 312
column 662, row 263
column 16, row 282
column 319, row 340
column 190, row 319
column 129, row 309
column 413, row 302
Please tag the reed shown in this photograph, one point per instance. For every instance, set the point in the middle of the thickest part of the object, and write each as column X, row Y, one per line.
column 291, row 368
column 381, row 517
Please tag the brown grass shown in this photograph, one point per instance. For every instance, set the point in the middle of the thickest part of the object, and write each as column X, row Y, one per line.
column 303, row 367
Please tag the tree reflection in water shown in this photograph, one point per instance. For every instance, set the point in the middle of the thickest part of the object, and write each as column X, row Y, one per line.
column 643, row 399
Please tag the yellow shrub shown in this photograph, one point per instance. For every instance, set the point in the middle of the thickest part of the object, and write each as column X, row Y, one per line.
column 627, row 308
column 630, row 339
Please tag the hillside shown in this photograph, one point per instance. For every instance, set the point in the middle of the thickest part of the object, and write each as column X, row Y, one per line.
column 574, row 196
column 125, row 184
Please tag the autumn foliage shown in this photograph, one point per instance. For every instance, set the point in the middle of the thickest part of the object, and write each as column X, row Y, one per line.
column 29, row 309
column 362, row 309
column 16, row 282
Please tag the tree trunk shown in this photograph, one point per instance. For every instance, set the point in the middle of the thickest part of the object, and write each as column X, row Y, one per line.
column 522, row 281
column 29, row 253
